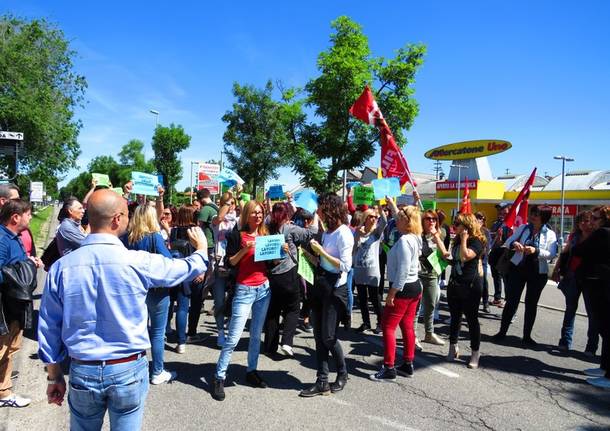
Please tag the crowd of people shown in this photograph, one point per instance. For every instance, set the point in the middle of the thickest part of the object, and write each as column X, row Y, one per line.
column 127, row 269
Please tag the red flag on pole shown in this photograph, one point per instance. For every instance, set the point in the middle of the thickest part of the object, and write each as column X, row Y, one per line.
column 518, row 211
column 365, row 108
column 393, row 162
column 466, row 207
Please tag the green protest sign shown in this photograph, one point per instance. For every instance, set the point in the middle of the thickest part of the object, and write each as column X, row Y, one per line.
column 429, row 205
column 102, row 180
column 245, row 197
column 364, row 195
column 438, row 263
column 305, row 268
column 117, row 190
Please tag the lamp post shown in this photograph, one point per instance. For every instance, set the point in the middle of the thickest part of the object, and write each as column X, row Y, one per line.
column 459, row 168
column 563, row 159
column 156, row 114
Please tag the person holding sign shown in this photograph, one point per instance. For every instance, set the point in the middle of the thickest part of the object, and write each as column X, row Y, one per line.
column 428, row 275
column 284, row 280
column 366, row 265
column 329, row 295
column 466, row 285
column 251, row 294
column 403, row 296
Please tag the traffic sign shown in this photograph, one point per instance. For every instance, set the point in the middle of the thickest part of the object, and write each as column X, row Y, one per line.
column 16, row 136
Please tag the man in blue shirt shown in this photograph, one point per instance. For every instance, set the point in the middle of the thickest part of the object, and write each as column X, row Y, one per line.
column 15, row 217
column 94, row 310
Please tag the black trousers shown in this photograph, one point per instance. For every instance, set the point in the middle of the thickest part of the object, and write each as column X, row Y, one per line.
column 285, row 298
column 600, row 301
column 364, row 294
column 495, row 275
column 383, row 261
column 516, row 281
column 327, row 308
column 305, row 289
column 195, row 309
column 464, row 300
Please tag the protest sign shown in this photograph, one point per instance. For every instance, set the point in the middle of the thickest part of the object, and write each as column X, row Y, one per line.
column 429, row 205
column 268, row 247
column 394, row 187
column 438, row 262
column 307, row 199
column 144, row 184
column 117, row 190
column 363, row 195
column 276, row 192
column 305, row 267
column 101, row 179
column 245, row 197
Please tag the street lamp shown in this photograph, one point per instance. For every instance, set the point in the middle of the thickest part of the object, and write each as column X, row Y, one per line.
column 459, row 168
column 563, row 159
column 156, row 114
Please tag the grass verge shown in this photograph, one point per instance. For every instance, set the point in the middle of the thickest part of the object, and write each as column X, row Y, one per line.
column 38, row 221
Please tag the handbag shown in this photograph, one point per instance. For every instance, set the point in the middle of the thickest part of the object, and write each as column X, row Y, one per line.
column 503, row 264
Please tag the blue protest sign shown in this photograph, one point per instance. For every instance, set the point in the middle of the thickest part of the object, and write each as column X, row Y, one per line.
column 227, row 174
column 394, row 187
column 268, row 247
column 276, row 192
column 381, row 188
column 144, row 184
column 308, row 200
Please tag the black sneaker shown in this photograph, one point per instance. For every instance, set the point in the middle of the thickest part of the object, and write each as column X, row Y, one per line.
column 218, row 390
column 306, row 327
column 405, row 370
column 500, row 336
column 320, row 388
column 339, row 384
column 528, row 342
column 384, row 375
column 364, row 327
column 255, row 380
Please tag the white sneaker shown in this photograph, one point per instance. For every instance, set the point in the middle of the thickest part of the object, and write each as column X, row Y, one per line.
column 163, row 377
column 220, row 342
column 600, row 382
column 595, row 372
column 14, row 401
column 181, row 348
column 286, row 350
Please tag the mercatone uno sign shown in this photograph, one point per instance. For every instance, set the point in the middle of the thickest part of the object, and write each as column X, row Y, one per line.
column 468, row 150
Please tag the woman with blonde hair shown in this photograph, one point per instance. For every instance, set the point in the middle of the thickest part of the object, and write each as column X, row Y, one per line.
column 251, row 294
column 403, row 296
column 466, row 284
column 367, row 241
column 145, row 234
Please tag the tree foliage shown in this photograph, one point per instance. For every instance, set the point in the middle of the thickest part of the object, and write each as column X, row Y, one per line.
column 333, row 140
column 39, row 91
column 168, row 143
column 257, row 136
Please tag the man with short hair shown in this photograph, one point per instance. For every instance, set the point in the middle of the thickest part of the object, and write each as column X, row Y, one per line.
column 7, row 192
column 499, row 233
column 93, row 309
column 15, row 217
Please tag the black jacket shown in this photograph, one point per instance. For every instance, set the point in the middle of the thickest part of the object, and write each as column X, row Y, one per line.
column 16, row 294
column 595, row 253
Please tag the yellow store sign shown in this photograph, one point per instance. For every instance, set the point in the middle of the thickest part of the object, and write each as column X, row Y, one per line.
column 468, row 150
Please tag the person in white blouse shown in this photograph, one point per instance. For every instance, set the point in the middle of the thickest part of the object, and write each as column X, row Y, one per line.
column 329, row 294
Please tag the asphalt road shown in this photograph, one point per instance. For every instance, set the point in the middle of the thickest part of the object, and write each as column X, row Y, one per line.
column 514, row 389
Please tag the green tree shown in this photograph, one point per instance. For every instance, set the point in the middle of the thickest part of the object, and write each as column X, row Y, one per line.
column 257, row 136
column 335, row 141
column 39, row 91
column 167, row 143
column 132, row 158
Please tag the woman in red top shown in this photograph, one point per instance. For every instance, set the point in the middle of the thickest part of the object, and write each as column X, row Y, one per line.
column 251, row 294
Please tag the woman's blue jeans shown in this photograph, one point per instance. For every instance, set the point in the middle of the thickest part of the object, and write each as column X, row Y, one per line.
column 218, row 292
column 571, row 289
column 157, row 302
column 256, row 299
column 182, row 311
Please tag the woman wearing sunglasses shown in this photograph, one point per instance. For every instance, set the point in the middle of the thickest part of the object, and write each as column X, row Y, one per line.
column 465, row 285
column 366, row 266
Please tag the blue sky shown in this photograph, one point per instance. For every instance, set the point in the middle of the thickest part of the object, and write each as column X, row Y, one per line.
column 536, row 73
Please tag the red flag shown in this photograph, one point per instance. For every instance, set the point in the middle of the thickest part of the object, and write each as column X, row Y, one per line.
column 466, row 207
column 365, row 108
column 518, row 211
column 393, row 162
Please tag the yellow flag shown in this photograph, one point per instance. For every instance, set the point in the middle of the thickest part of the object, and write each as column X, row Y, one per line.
column 380, row 175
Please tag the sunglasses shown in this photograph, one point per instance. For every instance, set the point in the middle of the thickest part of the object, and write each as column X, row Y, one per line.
column 430, row 219
column 373, row 217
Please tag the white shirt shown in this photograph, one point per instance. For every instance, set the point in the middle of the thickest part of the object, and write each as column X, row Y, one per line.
column 403, row 261
column 339, row 244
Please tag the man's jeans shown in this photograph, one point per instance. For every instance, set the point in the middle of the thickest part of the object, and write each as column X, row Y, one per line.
column 255, row 298
column 121, row 389
column 157, row 302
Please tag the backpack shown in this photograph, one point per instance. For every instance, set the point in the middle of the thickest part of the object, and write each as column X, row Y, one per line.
column 180, row 245
column 50, row 255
